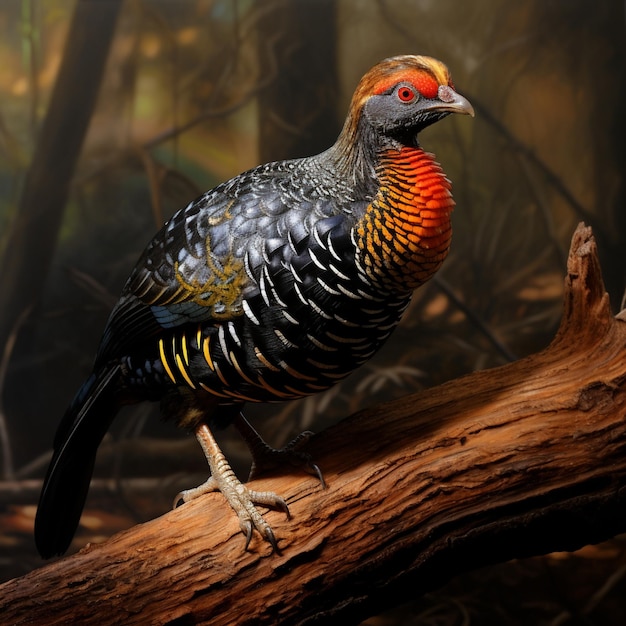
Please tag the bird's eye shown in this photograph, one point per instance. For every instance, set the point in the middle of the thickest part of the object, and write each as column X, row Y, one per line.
column 406, row 94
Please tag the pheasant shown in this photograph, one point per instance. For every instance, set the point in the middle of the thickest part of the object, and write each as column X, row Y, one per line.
column 274, row 285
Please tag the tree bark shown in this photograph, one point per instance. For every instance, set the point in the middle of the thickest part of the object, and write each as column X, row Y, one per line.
column 515, row 461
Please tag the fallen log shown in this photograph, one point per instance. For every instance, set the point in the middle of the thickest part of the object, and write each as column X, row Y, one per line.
column 511, row 462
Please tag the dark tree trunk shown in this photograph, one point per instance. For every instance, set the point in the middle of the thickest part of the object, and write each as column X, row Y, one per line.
column 32, row 240
column 297, row 110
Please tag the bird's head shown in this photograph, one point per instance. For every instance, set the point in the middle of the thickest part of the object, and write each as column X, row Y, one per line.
column 392, row 103
column 402, row 95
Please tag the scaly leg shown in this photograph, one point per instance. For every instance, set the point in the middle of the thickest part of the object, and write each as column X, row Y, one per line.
column 241, row 499
column 264, row 457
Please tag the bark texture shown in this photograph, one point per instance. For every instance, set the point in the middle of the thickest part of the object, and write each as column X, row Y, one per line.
column 520, row 460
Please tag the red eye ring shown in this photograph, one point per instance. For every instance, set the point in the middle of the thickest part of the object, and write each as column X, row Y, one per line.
column 405, row 94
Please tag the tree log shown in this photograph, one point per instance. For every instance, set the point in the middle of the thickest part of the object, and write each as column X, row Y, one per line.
column 515, row 461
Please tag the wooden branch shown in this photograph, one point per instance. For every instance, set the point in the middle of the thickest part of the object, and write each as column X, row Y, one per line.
column 511, row 462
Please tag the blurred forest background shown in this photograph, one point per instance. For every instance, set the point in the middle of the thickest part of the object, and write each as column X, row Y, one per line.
column 179, row 95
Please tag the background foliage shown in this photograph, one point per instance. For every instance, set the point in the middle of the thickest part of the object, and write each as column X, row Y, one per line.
column 196, row 91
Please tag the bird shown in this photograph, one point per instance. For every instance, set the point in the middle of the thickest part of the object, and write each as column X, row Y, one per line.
column 274, row 285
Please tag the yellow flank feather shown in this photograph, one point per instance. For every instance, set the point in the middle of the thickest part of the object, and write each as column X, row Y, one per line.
column 166, row 365
column 183, row 371
column 183, row 344
column 207, row 354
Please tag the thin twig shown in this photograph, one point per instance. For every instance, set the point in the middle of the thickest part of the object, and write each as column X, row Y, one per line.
column 604, row 590
column 91, row 286
column 223, row 111
column 544, row 206
column 5, row 443
column 485, row 114
column 596, row 598
column 475, row 319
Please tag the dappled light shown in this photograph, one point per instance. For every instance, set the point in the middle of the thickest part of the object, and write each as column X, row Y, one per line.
column 191, row 93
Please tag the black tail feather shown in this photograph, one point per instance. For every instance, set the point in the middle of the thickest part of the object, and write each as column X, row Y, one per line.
column 69, row 474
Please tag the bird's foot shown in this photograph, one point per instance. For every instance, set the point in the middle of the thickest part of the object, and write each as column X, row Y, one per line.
column 266, row 458
column 241, row 499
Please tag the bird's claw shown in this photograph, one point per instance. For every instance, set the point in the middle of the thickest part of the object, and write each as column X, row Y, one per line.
column 248, row 527
column 302, row 460
column 299, row 441
column 313, row 468
column 242, row 500
column 266, row 458
column 209, row 486
column 250, row 518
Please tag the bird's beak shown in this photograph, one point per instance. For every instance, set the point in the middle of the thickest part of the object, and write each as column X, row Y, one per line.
column 449, row 101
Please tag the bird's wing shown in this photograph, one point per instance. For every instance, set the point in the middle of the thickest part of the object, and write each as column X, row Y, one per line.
column 193, row 271
column 203, row 263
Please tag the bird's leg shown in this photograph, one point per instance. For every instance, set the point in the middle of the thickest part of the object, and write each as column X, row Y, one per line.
column 264, row 457
column 241, row 499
